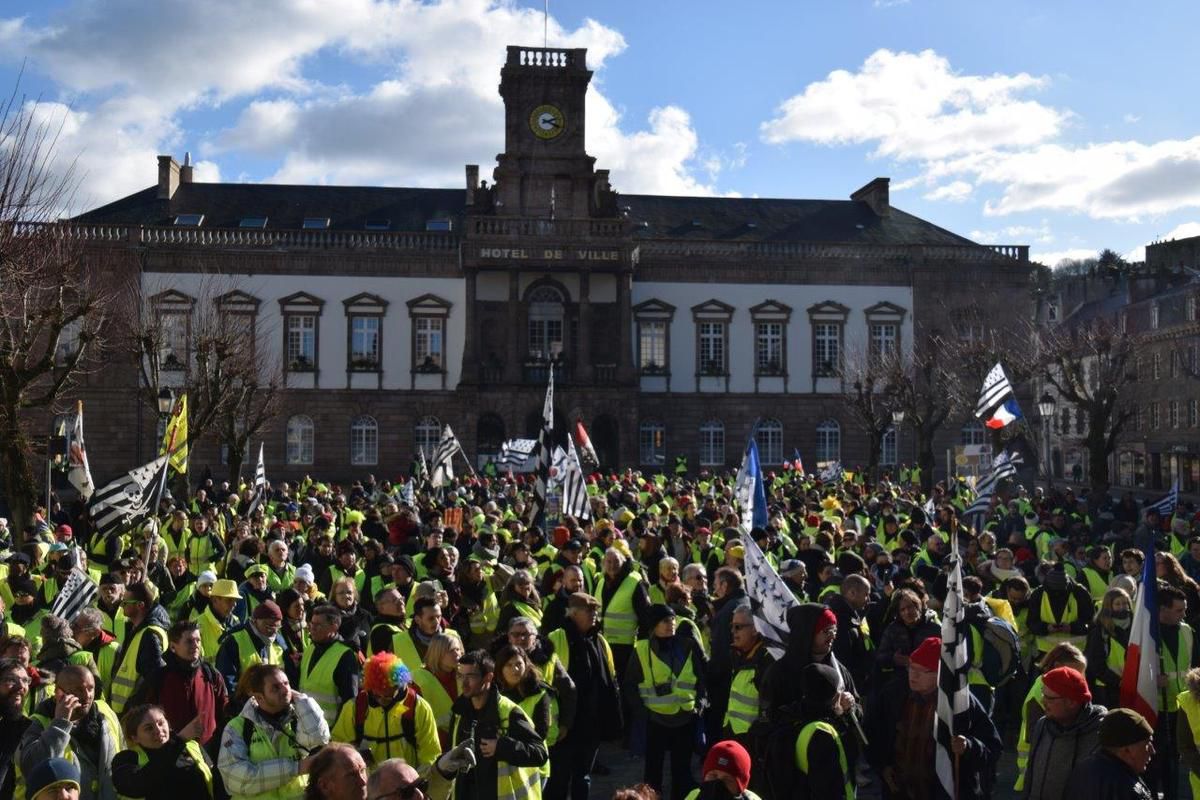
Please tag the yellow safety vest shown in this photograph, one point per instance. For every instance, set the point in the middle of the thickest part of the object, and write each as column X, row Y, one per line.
column 512, row 783
column 1175, row 666
column 802, row 741
column 248, row 654
column 125, row 679
column 743, row 701
column 620, row 623
column 562, row 649
column 1115, row 658
column 680, row 694
column 269, row 745
column 526, row 610
column 528, row 705
column 360, row 577
column 211, row 631
column 1035, row 694
column 383, row 731
column 192, row 748
column 108, row 719
column 277, row 583
column 106, row 656
column 436, row 695
column 1190, row 706
column 483, row 620
column 318, row 682
column 1095, row 584
column 1071, row 613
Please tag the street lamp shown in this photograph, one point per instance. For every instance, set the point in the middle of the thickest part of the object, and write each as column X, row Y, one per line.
column 897, row 419
column 166, row 401
column 1046, row 404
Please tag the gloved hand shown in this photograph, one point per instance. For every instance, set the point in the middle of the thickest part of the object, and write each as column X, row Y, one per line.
column 458, row 759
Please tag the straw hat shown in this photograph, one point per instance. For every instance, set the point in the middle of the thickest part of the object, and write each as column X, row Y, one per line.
column 225, row 588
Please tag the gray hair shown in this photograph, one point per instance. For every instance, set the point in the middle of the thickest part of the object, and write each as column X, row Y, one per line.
column 89, row 619
column 515, row 621
column 691, row 571
column 375, row 779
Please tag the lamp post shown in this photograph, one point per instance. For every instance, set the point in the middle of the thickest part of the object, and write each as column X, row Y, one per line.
column 1046, row 404
column 897, row 419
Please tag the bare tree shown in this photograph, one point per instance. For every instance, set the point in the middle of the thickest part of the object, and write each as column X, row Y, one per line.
column 926, row 385
column 53, row 295
column 866, row 386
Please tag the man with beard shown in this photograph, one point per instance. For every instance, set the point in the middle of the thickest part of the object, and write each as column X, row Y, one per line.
column 76, row 725
column 571, row 581
column 14, row 685
column 189, row 689
column 142, row 655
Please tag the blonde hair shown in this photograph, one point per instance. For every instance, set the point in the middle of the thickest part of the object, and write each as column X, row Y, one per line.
column 439, row 645
column 1063, row 655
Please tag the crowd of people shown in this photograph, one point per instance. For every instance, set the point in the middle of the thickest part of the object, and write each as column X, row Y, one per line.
column 389, row 641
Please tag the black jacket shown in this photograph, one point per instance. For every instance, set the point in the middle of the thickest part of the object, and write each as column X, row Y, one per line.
column 519, row 747
column 170, row 773
column 1101, row 776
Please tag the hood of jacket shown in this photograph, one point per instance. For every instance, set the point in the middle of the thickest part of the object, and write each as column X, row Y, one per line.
column 802, row 621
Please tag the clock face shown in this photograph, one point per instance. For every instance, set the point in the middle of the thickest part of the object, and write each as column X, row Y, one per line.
column 547, row 122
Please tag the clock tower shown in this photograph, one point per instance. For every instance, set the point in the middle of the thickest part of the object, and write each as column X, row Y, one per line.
column 545, row 170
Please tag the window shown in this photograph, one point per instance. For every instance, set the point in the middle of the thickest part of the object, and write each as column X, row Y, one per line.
column 712, row 337
column 1193, row 413
column 712, row 444
column 1154, row 314
column 770, row 441
column 1173, row 363
column 1052, row 312
column 1080, row 422
column 887, row 449
column 652, row 444
column 364, row 343
column 173, row 341
column 969, row 331
column 301, row 342
column 1124, row 322
column 189, row 220
column 973, row 433
column 546, row 314
column 315, row 223
column 300, row 440
column 238, row 314
column 68, row 342
column 439, row 225
column 252, row 222
column 378, row 225
column 1139, row 418
column 364, row 441
column 654, row 318
column 426, row 435
column 827, row 340
column 829, row 442
column 884, row 336
column 1191, row 361
column 301, row 314
column 1064, row 422
column 1156, row 366
column 712, row 348
column 1173, row 413
column 652, row 346
column 1154, row 416
column 770, row 338
column 429, row 314
column 1191, row 310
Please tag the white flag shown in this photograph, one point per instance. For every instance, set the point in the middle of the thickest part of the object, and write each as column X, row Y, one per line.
column 79, row 474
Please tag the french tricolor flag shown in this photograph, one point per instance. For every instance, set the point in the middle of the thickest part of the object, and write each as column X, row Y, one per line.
column 1005, row 414
column 1139, row 683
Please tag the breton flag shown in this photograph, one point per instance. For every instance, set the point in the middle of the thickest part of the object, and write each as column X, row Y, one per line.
column 587, row 453
column 176, row 436
column 567, row 474
column 126, row 500
column 1166, row 506
column 443, row 459
column 831, row 473
column 78, row 472
column 515, row 453
column 997, row 402
column 954, row 698
column 1139, row 682
column 260, row 482
column 74, row 596
column 1003, row 466
column 544, row 451
column 770, row 598
column 407, row 495
column 750, row 492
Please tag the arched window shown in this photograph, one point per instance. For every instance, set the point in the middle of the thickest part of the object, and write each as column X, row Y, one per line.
column 712, row 444
column 545, row 322
column 887, row 449
column 652, row 443
column 364, row 441
column 426, row 436
column 829, row 441
column 300, row 440
column 489, row 435
column 973, row 433
column 770, row 441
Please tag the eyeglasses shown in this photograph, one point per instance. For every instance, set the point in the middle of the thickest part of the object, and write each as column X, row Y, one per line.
column 13, row 680
column 131, row 602
column 741, row 626
column 410, row 791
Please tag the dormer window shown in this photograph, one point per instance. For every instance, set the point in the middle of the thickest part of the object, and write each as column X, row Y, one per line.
column 439, row 226
column 315, row 223
column 253, row 222
column 378, row 225
column 190, row 220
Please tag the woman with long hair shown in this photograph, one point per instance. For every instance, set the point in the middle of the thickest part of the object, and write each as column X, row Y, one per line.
column 294, row 631
column 1168, row 568
column 912, row 624
column 1106, row 643
column 437, row 680
column 520, row 681
column 519, row 599
column 356, row 620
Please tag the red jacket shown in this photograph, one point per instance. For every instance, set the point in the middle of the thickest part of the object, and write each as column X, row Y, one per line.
column 187, row 691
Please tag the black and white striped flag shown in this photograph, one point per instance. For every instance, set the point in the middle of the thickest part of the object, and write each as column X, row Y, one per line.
column 74, row 595
column 443, row 459
column 996, row 389
column 128, row 499
column 260, row 483
column 1003, row 466
column 954, row 697
column 770, row 595
column 568, row 475
column 544, row 452
column 515, row 453
column 1166, row 506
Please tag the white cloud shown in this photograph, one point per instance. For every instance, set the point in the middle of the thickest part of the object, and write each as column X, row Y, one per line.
column 1015, row 233
column 1055, row 257
column 1182, row 231
column 984, row 129
column 955, row 192
column 134, row 69
column 1132, row 118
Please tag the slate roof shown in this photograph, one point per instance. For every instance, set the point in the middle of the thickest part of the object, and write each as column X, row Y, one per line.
column 408, row 209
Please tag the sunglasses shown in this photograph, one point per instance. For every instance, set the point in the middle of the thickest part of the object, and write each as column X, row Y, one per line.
column 408, row 792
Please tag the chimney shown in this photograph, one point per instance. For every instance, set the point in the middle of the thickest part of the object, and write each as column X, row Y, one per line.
column 168, row 177
column 472, row 182
column 185, row 172
column 875, row 195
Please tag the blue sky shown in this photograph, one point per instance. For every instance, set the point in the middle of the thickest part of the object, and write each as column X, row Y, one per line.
column 1068, row 126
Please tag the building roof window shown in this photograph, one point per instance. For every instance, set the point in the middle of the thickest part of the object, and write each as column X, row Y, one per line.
column 193, row 220
column 378, row 224
column 315, row 223
column 439, row 225
column 253, row 222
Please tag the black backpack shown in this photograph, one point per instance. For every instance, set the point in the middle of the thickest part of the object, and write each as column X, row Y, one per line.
column 773, row 750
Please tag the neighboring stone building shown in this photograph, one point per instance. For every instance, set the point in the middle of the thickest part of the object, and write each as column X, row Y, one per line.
column 675, row 323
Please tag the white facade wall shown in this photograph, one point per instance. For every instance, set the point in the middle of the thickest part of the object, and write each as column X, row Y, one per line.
column 333, row 325
column 741, row 330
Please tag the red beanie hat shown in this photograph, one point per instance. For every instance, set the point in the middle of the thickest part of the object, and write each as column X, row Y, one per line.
column 1068, row 683
column 827, row 619
column 729, row 756
column 928, row 653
